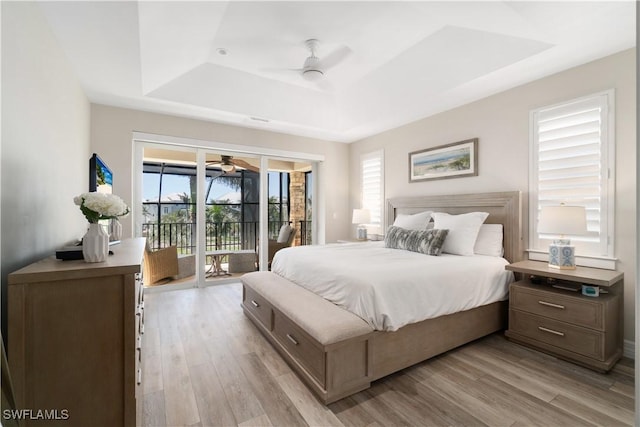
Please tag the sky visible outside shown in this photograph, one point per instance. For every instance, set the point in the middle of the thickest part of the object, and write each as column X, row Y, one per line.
column 172, row 184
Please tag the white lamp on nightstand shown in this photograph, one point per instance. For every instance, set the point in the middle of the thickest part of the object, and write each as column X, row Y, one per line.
column 562, row 220
column 361, row 217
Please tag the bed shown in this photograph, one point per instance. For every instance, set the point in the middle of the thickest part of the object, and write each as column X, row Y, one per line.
column 338, row 353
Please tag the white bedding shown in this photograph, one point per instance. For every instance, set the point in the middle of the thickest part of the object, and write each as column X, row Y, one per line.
column 390, row 288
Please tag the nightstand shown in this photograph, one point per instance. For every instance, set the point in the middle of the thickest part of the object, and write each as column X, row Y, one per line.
column 548, row 316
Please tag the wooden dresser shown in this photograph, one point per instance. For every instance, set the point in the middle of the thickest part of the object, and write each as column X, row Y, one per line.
column 544, row 314
column 74, row 342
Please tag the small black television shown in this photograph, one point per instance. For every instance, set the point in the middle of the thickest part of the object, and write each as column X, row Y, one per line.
column 100, row 176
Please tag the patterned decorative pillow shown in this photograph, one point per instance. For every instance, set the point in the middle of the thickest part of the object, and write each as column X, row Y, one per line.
column 427, row 242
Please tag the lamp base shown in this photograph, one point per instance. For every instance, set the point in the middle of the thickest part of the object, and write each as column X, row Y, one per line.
column 361, row 233
column 562, row 255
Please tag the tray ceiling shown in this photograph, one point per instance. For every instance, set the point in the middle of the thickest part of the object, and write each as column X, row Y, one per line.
column 407, row 60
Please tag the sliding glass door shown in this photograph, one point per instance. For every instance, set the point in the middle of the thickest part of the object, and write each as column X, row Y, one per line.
column 221, row 212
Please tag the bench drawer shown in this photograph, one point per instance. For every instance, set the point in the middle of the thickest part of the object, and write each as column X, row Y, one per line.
column 258, row 306
column 577, row 311
column 586, row 342
column 297, row 342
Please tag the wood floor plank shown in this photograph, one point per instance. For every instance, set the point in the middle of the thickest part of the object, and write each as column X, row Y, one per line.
column 526, row 408
column 313, row 412
column 352, row 413
column 180, row 403
column 624, row 389
column 213, row 410
column 278, row 407
column 585, row 412
column 152, row 361
column 153, row 410
column 194, row 350
column 237, row 389
column 614, row 405
column 510, row 374
column 400, row 405
column 261, row 421
column 430, row 401
column 459, row 392
column 375, row 407
column 214, row 368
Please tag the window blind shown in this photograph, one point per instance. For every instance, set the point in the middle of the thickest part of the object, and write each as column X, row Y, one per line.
column 570, row 165
column 372, row 185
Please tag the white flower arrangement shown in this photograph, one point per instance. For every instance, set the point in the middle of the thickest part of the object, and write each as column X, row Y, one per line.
column 96, row 206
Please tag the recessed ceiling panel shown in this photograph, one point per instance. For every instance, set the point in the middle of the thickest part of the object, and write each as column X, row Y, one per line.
column 222, row 88
column 409, row 59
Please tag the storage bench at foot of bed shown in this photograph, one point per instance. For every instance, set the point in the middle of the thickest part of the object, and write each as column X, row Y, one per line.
column 326, row 345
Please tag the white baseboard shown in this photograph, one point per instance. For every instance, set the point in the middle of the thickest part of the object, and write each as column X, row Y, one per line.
column 629, row 349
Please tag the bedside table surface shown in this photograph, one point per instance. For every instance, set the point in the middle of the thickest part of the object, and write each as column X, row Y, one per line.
column 591, row 276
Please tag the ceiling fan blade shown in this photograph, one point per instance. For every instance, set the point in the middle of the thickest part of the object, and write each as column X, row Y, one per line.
column 335, row 57
column 245, row 165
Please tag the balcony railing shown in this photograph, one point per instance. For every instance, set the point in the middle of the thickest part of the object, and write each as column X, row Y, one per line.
column 219, row 235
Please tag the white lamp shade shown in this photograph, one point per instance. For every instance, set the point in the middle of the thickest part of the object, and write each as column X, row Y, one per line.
column 563, row 220
column 361, row 216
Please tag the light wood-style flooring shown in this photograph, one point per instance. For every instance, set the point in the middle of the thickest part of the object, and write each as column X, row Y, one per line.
column 205, row 364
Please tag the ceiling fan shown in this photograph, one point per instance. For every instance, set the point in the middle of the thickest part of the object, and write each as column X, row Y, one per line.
column 229, row 165
column 314, row 68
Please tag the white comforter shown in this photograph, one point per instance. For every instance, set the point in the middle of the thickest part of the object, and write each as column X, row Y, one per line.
column 390, row 288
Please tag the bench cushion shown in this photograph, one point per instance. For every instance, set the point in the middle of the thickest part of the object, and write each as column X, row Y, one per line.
column 326, row 322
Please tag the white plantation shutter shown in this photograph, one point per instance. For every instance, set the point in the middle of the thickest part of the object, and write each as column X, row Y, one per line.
column 571, row 150
column 372, row 170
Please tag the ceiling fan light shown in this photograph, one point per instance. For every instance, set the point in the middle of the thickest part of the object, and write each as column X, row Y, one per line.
column 312, row 75
column 227, row 167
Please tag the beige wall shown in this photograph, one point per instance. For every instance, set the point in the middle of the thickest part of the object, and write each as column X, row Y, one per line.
column 45, row 142
column 111, row 137
column 501, row 122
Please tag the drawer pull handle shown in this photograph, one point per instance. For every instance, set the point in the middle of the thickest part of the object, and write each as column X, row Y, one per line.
column 551, row 331
column 255, row 304
column 139, row 379
column 292, row 339
column 550, row 304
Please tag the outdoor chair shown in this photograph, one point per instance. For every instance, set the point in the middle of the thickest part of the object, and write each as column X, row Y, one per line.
column 284, row 240
column 160, row 264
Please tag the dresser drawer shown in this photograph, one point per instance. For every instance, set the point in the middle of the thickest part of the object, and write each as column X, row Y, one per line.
column 258, row 306
column 586, row 342
column 300, row 345
column 570, row 309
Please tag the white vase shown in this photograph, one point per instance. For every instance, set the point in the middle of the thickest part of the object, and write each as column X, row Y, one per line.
column 115, row 229
column 95, row 244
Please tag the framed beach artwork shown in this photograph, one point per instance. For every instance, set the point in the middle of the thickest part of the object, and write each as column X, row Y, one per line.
column 445, row 161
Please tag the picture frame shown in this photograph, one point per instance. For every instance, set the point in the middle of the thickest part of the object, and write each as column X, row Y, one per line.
column 455, row 160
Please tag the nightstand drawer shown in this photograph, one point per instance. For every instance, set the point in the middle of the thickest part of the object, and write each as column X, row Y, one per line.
column 575, row 310
column 579, row 340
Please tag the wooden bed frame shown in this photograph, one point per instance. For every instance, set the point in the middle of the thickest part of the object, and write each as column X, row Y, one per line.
column 335, row 352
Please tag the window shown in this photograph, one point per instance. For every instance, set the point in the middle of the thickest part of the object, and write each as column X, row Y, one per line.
column 278, row 201
column 572, row 161
column 372, row 179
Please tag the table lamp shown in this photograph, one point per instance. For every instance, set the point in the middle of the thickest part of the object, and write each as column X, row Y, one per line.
column 361, row 217
column 562, row 220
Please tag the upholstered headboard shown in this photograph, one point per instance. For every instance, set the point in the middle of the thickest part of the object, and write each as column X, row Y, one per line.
column 504, row 208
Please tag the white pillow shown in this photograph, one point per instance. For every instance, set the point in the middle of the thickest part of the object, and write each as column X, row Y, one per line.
column 463, row 231
column 417, row 221
column 285, row 231
column 489, row 241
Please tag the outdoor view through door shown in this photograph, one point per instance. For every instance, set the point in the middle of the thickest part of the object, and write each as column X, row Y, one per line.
column 231, row 197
